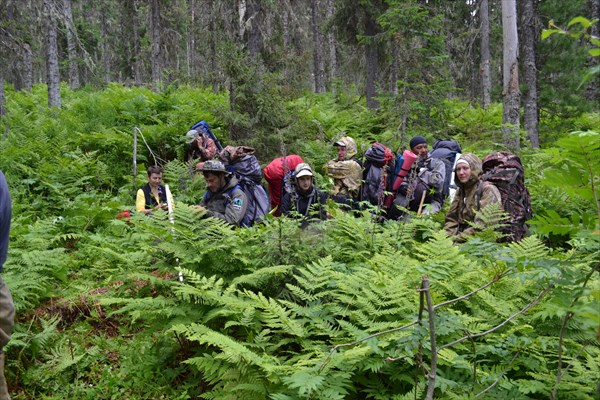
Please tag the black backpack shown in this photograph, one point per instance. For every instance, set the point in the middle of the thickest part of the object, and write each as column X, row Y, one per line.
column 505, row 171
column 446, row 150
column 378, row 174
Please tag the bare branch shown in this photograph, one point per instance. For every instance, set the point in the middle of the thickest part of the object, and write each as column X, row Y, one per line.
column 523, row 310
column 337, row 346
column 433, row 371
column 500, row 377
column 466, row 296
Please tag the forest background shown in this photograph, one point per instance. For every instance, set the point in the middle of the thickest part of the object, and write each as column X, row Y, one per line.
column 342, row 310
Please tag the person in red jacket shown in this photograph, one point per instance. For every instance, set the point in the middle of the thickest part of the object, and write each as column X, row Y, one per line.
column 275, row 173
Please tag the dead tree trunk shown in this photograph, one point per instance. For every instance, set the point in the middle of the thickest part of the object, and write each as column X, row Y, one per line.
column 510, row 95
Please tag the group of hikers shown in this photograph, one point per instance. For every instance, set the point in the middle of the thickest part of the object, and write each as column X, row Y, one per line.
column 415, row 182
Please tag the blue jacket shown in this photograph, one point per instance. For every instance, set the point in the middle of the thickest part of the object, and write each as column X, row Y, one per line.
column 5, row 215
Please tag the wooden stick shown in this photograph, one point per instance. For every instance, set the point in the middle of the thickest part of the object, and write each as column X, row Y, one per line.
column 421, row 203
column 134, row 172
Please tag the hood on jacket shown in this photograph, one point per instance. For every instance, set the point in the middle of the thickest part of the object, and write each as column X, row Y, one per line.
column 476, row 168
column 349, row 144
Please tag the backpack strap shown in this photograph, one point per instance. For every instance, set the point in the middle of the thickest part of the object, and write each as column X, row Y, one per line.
column 479, row 193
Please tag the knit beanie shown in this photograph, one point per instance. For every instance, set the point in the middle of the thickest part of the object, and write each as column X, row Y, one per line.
column 417, row 140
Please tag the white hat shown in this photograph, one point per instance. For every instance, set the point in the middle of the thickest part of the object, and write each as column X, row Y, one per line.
column 303, row 169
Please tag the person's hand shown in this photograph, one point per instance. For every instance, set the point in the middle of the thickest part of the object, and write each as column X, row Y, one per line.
column 200, row 209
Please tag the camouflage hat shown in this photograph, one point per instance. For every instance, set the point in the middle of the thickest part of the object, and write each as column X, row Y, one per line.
column 214, row 166
column 303, row 169
column 191, row 136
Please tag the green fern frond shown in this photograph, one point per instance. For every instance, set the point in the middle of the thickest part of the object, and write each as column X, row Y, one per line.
column 275, row 315
column 261, row 276
column 231, row 351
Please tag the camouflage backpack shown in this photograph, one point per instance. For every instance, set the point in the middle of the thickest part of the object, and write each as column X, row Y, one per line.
column 505, row 171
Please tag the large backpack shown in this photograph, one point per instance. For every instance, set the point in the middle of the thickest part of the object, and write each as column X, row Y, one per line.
column 203, row 126
column 279, row 174
column 249, row 174
column 505, row 171
column 378, row 174
column 448, row 151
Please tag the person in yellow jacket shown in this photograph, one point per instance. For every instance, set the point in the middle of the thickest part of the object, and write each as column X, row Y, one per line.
column 153, row 195
column 346, row 172
column 464, row 207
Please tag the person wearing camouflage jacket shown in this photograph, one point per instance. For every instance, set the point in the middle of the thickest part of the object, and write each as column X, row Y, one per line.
column 346, row 172
column 464, row 206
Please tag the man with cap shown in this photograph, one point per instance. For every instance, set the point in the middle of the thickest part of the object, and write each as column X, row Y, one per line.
column 224, row 198
column 200, row 145
column 346, row 172
column 305, row 200
column 472, row 195
column 422, row 190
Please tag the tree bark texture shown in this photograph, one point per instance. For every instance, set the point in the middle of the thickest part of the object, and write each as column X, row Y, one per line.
column 331, row 42
column 592, row 92
column 394, row 67
column 529, row 32
column 105, row 42
column 318, row 63
column 372, row 63
column 71, row 46
column 2, row 94
column 253, row 21
column 486, row 73
column 27, row 67
column 52, row 71
column 156, row 59
column 510, row 74
column 191, row 43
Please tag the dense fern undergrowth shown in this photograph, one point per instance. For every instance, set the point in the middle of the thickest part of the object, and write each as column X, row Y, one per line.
column 350, row 308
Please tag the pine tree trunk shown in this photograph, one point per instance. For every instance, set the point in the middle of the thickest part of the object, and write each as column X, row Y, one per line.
column 135, row 30
column 156, row 61
column 592, row 92
column 71, row 46
column 106, row 35
column 27, row 67
column 529, row 33
column 486, row 74
column 333, row 67
column 254, row 36
column 510, row 73
column 318, row 63
column 191, row 44
column 372, row 62
column 2, row 95
column 52, row 71
column 394, row 66
column 213, row 47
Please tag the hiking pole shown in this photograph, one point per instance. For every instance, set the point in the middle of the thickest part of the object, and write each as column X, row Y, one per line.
column 172, row 221
column 422, row 202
